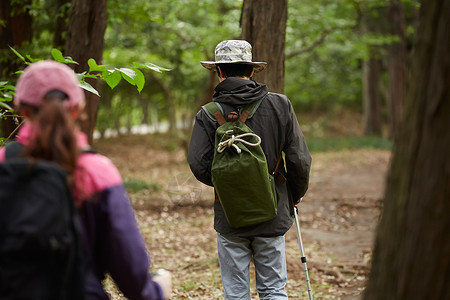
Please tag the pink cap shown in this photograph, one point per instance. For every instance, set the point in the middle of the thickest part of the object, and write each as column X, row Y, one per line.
column 41, row 77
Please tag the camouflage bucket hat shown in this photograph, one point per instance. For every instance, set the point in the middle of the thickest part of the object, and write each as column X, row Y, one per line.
column 233, row 52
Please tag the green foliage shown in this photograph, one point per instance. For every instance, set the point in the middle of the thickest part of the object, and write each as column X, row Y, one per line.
column 189, row 285
column 329, row 73
column 6, row 97
column 6, row 105
column 133, row 185
column 58, row 56
column 111, row 75
column 325, row 50
column 336, row 144
column 177, row 34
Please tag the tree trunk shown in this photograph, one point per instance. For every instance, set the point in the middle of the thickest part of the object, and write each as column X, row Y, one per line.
column 208, row 92
column 411, row 256
column 144, row 104
column 85, row 39
column 372, row 74
column 59, row 38
column 16, row 30
column 371, row 97
column 396, row 66
column 264, row 26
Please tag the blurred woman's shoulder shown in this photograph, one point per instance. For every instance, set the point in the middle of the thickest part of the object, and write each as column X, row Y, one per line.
column 94, row 174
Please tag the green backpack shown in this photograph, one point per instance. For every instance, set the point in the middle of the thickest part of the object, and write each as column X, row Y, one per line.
column 239, row 170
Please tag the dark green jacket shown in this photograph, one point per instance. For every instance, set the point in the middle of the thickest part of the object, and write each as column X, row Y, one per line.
column 275, row 122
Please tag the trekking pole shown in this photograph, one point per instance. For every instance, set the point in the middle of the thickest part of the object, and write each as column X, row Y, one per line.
column 303, row 258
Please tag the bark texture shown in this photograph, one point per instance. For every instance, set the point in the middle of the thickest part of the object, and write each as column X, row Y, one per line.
column 396, row 66
column 371, row 23
column 411, row 256
column 264, row 26
column 85, row 39
column 59, row 37
column 371, row 96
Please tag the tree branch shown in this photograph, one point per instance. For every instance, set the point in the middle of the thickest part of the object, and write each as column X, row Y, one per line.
column 309, row 48
column 326, row 32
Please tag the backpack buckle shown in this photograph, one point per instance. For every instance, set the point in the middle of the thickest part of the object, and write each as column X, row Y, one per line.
column 232, row 116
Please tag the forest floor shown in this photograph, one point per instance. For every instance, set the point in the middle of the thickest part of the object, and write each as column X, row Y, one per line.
column 338, row 218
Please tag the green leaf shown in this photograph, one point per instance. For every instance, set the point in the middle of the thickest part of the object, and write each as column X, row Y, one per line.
column 80, row 76
column 18, row 54
column 151, row 67
column 91, row 76
column 4, row 105
column 57, row 55
column 129, row 75
column 140, row 80
column 7, row 97
column 112, row 79
column 69, row 60
column 89, row 88
column 32, row 60
column 93, row 67
column 128, row 72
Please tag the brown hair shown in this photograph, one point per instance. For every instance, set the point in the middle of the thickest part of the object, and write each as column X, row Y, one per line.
column 54, row 136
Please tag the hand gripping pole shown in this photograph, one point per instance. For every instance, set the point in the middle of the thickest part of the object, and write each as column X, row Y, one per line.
column 302, row 254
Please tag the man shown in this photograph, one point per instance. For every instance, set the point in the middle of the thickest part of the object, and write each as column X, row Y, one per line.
column 275, row 122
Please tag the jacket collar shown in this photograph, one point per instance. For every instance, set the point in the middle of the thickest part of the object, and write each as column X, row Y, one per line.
column 238, row 91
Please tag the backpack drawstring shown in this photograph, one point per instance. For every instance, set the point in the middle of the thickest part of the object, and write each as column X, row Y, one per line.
column 238, row 138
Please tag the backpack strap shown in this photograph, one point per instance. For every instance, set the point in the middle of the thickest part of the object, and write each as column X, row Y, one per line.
column 215, row 112
column 13, row 149
column 278, row 175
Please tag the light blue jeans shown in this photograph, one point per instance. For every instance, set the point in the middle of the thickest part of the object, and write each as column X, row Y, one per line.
column 268, row 254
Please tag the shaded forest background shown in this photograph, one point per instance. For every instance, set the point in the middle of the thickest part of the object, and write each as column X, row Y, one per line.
column 378, row 68
column 328, row 57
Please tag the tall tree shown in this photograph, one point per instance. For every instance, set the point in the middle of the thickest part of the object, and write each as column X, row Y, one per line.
column 372, row 74
column 85, row 38
column 16, row 30
column 396, row 64
column 264, row 26
column 59, row 37
column 371, row 96
column 410, row 258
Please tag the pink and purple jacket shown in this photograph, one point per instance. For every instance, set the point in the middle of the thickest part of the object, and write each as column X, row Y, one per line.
column 110, row 235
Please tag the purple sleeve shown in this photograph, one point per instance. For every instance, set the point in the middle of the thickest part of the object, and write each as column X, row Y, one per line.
column 126, row 257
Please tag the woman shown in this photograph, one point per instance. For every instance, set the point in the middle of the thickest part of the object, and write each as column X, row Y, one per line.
column 50, row 100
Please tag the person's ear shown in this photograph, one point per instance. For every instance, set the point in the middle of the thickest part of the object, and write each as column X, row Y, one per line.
column 25, row 112
column 74, row 113
column 253, row 72
column 220, row 73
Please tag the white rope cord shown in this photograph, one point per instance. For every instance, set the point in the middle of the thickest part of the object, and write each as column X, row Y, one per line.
column 238, row 138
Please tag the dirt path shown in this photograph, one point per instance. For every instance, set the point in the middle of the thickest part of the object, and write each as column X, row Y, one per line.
column 337, row 217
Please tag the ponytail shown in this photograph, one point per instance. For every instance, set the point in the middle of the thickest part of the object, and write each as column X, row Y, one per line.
column 54, row 136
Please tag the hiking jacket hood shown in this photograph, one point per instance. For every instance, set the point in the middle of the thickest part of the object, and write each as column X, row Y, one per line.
column 238, row 91
column 276, row 123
